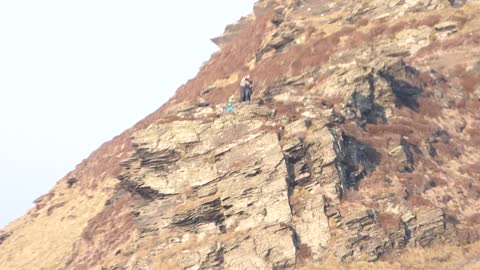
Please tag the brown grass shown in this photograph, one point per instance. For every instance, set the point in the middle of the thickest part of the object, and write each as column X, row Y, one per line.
column 304, row 254
column 469, row 81
column 437, row 258
column 388, row 221
column 287, row 109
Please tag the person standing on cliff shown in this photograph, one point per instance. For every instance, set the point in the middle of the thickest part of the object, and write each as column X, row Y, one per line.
column 246, row 89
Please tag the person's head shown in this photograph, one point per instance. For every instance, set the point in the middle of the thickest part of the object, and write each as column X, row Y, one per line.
column 247, row 77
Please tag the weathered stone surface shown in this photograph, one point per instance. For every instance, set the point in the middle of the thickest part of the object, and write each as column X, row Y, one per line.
column 360, row 145
column 270, row 250
column 362, row 237
column 404, row 157
column 244, row 186
column 281, row 38
column 232, row 31
column 427, row 227
column 311, row 225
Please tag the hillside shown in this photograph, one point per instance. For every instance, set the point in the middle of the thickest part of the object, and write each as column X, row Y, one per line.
column 358, row 151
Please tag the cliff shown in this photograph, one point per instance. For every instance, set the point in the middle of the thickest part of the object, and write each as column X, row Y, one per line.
column 359, row 151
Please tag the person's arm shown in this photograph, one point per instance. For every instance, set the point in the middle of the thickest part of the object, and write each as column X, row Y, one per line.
column 243, row 82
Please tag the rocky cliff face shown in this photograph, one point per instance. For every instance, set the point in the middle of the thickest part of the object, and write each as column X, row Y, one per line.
column 360, row 150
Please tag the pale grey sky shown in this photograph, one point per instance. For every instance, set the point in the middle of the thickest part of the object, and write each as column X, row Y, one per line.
column 73, row 74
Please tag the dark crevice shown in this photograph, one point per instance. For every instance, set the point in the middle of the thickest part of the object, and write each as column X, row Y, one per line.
column 457, row 3
column 221, row 222
column 147, row 193
column 439, row 136
column 368, row 110
column 432, row 151
column 290, row 179
column 335, row 119
column 72, row 182
column 150, row 193
column 354, row 160
column 158, row 160
column 408, row 232
column 409, row 167
column 405, row 93
column 295, row 237
column 205, row 213
column 294, row 158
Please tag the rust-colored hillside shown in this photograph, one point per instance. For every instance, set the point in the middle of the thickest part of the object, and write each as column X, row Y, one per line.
column 358, row 151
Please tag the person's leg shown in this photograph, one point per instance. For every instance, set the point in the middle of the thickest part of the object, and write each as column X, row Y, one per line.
column 242, row 94
column 248, row 94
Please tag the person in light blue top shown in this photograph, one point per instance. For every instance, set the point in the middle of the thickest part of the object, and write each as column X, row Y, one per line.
column 229, row 107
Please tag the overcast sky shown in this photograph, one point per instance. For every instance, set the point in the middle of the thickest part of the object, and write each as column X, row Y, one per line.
column 73, row 74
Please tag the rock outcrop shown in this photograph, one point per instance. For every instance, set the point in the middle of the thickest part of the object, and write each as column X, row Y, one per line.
column 359, row 149
column 3, row 236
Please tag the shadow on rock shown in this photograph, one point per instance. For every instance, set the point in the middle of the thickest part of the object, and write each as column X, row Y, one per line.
column 355, row 159
column 405, row 93
column 366, row 106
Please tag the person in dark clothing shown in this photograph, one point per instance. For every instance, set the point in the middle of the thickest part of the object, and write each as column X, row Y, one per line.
column 246, row 89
